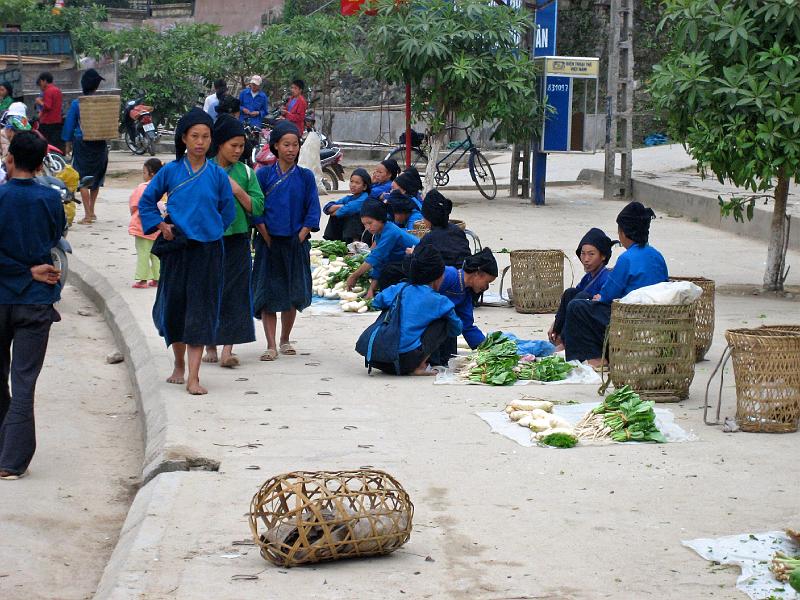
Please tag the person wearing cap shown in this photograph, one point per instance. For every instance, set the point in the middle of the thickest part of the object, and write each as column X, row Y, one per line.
column 212, row 100
column 594, row 252
column 427, row 318
column 236, row 318
column 6, row 96
column 282, row 264
column 200, row 209
column 403, row 210
column 89, row 158
column 448, row 238
column 253, row 103
column 382, row 177
column 344, row 215
column 460, row 286
column 639, row 266
column 296, row 107
column 390, row 243
column 14, row 120
column 410, row 183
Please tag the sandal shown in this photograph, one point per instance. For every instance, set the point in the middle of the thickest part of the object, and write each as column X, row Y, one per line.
column 9, row 476
column 85, row 221
column 269, row 355
column 153, row 283
column 288, row 349
column 139, row 285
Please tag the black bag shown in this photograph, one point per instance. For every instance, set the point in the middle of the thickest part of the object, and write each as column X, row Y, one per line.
column 380, row 342
column 163, row 246
column 417, row 139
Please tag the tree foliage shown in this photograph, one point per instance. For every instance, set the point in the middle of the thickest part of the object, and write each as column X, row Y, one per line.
column 730, row 87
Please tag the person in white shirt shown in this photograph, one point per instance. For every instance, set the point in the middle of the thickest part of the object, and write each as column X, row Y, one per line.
column 212, row 100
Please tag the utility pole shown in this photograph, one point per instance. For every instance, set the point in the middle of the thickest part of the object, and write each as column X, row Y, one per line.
column 619, row 102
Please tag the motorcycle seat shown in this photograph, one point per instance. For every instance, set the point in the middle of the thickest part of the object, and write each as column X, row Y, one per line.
column 327, row 153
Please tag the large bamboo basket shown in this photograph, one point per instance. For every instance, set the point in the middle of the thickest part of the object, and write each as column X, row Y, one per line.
column 99, row 117
column 651, row 348
column 537, row 280
column 789, row 328
column 766, row 367
column 309, row 517
column 703, row 314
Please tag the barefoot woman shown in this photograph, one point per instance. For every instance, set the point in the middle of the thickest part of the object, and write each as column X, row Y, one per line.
column 200, row 207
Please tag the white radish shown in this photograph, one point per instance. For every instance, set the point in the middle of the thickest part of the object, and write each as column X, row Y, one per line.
column 539, row 425
column 557, row 422
column 531, row 404
column 363, row 309
column 525, row 421
column 518, row 414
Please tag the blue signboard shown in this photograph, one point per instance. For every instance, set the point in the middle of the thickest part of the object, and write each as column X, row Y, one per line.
column 544, row 38
column 556, row 126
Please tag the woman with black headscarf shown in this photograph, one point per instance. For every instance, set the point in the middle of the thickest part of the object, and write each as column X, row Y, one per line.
column 282, row 265
column 427, row 318
column 403, row 210
column 89, row 158
column 594, row 252
column 639, row 266
column 410, row 183
column 449, row 239
column 382, row 177
column 344, row 215
column 200, row 208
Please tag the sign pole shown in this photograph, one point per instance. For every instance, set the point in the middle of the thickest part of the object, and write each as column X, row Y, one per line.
column 544, row 44
column 408, row 125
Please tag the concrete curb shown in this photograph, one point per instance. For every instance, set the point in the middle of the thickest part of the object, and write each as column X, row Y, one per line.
column 702, row 208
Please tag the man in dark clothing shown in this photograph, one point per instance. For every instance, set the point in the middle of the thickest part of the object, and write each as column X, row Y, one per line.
column 31, row 224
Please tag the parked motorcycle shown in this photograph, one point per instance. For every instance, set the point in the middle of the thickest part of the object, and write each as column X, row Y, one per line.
column 59, row 253
column 139, row 130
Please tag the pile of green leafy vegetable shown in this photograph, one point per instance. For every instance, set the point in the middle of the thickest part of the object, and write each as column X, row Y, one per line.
column 330, row 249
column 559, row 440
column 787, row 568
column 630, row 418
column 494, row 360
column 549, row 368
column 353, row 263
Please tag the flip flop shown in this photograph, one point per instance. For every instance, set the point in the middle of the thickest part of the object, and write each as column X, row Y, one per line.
column 139, row 285
column 269, row 355
column 153, row 283
column 288, row 349
column 8, row 476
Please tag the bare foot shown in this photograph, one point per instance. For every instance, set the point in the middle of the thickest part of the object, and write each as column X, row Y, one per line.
column 195, row 389
column 210, row 355
column 177, row 376
column 597, row 362
column 423, row 371
column 559, row 347
column 229, row 362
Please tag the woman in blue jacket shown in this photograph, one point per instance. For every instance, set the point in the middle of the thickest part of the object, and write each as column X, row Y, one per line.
column 344, row 215
column 403, row 210
column 382, row 177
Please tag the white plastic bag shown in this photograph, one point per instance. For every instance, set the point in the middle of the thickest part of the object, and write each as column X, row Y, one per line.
column 669, row 292
column 309, row 158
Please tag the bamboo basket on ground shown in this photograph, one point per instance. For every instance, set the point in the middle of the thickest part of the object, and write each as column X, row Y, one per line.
column 651, row 348
column 703, row 314
column 788, row 328
column 537, row 280
column 766, row 367
column 420, row 229
column 99, row 117
column 309, row 517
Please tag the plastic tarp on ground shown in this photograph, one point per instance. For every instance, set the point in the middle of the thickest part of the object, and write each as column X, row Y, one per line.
column 752, row 552
column 500, row 423
column 331, row 308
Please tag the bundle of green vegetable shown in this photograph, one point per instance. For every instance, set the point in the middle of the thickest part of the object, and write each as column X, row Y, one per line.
column 786, row 568
column 494, row 360
column 351, row 264
column 330, row 249
column 549, row 368
column 629, row 418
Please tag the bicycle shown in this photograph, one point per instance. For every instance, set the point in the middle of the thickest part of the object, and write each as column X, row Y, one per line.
column 479, row 168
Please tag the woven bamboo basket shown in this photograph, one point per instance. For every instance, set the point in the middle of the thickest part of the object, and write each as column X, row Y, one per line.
column 703, row 314
column 766, row 367
column 537, row 280
column 309, row 517
column 99, row 117
column 651, row 347
column 789, row 328
column 462, row 225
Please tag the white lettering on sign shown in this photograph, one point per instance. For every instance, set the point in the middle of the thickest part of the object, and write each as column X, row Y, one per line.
column 541, row 36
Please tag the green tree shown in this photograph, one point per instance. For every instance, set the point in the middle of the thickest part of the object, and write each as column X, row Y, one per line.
column 730, row 88
column 462, row 60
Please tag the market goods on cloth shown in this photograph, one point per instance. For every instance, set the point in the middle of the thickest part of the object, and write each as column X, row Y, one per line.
column 99, row 117
column 766, row 368
column 668, row 292
column 703, row 314
column 651, row 348
column 537, row 280
column 307, row 517
column 500, row 423
column 753, row 553
column 580, row 374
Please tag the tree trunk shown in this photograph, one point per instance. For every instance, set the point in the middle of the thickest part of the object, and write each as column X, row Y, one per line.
column 776, row 255
column 437, row 141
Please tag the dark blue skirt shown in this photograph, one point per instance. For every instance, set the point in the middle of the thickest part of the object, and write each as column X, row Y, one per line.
column 189, row 295
column 585, row 329
column 236, row 313
column 91, row 158
column 281, row 275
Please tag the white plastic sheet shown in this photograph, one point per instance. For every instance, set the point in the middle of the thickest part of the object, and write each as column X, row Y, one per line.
column 331, row 308
column 500, row 423
column 752, row 552
column 581, row 374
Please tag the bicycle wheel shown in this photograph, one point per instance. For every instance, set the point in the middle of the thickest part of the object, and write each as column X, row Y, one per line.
column 418, row 158
column 481, row 172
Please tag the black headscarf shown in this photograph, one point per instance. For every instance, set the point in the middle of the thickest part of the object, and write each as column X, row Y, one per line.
column 374, row 209
column 481, row 261
column 281, row 129
column 410, row 181
column 597, row 238
column 400, row 203
column 436, row 208
column 362, row 173
column 634, row 220
column 226, row 128
column 196, row 116
column 90, row 81
column 391, row 166
column 426, row 265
